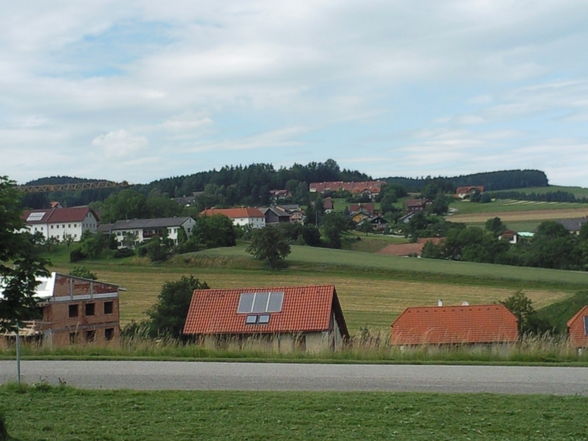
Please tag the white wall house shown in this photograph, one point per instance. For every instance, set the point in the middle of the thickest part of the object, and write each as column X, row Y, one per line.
column 139, row 230
column 241, row 216
column 61, row 223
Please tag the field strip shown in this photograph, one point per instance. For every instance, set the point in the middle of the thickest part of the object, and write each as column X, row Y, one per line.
column 520, row 215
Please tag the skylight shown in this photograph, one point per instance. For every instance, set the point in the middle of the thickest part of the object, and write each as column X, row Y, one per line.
column 260, row 302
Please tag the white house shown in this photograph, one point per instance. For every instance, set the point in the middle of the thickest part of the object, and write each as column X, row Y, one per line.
column 241, row 216
column 139, row 230
column 61, row 223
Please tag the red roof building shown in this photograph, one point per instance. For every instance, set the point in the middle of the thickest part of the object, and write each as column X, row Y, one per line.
column 476, row 324
column 578, row 328
column 371, row 188
column 466, row 191
column 61, row 223
column 240, row 216
column 284, row 319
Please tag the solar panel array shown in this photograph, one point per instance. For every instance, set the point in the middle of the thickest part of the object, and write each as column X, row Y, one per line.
column 35, row 216
column 260, row 302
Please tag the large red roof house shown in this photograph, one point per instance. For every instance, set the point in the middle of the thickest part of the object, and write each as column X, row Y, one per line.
column 240, row 216
column 465, row 324
column 578, row 328
column 61, row 223
column 306, row 318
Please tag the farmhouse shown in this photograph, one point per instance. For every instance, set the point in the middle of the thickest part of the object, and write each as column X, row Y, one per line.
column 573, row 225
column 467, row 191
column 133, row 231
column 274, row 215
column 578, row 328
column 241, row 216
column 475, row 324
column 306, row 318
column 61, row 223
column 416, row 205
column 75, row 310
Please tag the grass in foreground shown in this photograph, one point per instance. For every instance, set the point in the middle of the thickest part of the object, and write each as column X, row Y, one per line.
column 43, row 413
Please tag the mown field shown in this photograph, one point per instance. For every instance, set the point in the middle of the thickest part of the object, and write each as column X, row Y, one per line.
column 47, row 414
column 373, row 289
column 512, row 205
column 580, row 192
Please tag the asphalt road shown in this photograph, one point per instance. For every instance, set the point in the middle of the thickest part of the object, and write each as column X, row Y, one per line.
column 152, row 375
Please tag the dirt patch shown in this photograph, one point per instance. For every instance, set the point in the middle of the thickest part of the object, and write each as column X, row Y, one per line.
column 408, row 249
column 512, row 216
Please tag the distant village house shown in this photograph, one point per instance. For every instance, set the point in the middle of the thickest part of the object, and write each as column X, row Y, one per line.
column 61, row 223
column 242, row 216
column 139, row 230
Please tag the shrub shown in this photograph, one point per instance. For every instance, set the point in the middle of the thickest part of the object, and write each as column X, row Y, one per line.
column 124, row 252
column 76, row 255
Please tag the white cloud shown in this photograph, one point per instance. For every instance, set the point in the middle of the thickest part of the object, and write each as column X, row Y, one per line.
column 188, row 121
column 119, row 143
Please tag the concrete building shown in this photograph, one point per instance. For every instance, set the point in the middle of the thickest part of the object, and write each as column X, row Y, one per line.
column 307, row 318
column 61, row 223
column 133, row 231
column 242, row 216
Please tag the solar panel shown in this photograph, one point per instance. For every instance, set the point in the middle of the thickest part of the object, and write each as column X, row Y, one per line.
column 35, row 216
column 246, row 302
column 260, row 303
column 275, row 302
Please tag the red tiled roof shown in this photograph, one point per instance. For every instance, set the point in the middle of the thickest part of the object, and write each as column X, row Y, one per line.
column 454, row 324
column 56, row 215
column 234, row 213
column 306, row 308
column 352, row 187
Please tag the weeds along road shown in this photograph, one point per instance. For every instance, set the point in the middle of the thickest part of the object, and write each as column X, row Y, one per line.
column 152, row 375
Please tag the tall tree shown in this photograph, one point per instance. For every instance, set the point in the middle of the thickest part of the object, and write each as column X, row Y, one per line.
column 270, row 245
column 20, row 260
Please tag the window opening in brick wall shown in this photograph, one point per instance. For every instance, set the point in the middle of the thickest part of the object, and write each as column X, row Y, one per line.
column 90, row 308
column 73, row 310
column 108, row 307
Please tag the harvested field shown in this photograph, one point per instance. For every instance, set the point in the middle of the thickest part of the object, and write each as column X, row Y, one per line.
column 515, row 216
column 408, row 249
column 366, row 301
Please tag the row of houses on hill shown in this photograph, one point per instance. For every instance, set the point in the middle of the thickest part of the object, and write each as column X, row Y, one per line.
column 283, row 319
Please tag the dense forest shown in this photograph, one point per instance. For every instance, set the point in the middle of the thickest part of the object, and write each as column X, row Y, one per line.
column 250, row 184
column 492, row 181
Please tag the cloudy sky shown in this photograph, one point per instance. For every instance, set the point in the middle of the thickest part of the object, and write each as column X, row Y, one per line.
column 138, row 90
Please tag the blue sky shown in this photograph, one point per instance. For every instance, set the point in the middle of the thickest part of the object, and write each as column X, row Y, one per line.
column 141, row 90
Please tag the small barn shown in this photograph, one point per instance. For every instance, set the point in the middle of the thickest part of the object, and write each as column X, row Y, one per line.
column 465, row 324
column 305, row 318
column 578, row 328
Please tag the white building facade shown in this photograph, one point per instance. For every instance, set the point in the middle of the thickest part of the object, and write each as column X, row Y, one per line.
column 61, row 223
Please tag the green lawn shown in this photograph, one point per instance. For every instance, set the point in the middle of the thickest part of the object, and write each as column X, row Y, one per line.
column 48, row 414
column 508, row 205
column 580, row 192
column 530, row 225
column 330, row 258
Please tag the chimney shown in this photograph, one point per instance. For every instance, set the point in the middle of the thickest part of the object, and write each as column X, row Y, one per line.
column 439, row 302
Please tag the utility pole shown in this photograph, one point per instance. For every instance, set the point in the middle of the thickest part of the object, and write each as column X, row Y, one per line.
column 17, row 353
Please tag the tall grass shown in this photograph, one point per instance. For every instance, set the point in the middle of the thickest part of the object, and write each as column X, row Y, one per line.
column 364, row 347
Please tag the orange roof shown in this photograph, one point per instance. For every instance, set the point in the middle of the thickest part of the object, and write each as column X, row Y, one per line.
column 234, row 213
column 304, row 308
column 582, row 312
column 454, row 324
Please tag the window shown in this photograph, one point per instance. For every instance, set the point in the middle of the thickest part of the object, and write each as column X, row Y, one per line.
column 73, row 338
column 260, row 302
column 251, row 320
column 108, row 334
column 108, row 307
column 586, row 325
column 73, row 310
column 90, row 308
column 263, row 319
column 90, row 336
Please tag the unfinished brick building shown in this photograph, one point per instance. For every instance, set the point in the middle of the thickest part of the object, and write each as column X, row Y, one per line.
column 75, row 310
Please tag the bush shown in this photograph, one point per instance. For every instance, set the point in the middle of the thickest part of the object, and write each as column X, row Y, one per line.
column 83, row 272
column 124, row 252
column 76, row 255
